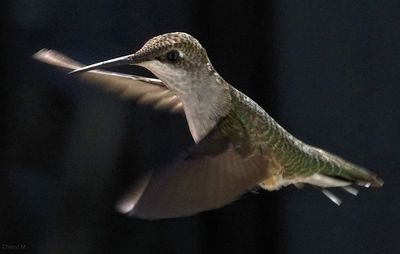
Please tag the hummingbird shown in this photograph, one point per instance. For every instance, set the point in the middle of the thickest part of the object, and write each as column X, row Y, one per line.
column 237, row 146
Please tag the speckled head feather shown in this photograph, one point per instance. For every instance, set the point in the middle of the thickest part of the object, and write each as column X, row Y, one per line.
column 191, row 52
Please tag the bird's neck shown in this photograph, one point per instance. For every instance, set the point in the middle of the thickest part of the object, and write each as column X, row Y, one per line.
column 206, row 99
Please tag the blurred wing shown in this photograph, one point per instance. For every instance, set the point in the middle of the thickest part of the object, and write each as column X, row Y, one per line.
column 213, row 174
column 144, row 90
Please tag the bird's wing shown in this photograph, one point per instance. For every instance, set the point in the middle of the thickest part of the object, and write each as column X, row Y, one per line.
column 211, row 175
column 144, row 90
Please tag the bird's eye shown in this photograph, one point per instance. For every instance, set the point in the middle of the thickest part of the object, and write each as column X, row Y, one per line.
column 172, row 56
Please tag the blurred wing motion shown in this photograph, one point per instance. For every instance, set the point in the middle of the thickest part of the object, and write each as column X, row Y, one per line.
column 144, row 90
column 213, row 174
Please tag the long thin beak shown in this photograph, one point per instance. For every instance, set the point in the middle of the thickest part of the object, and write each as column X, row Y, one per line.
column 123, row 60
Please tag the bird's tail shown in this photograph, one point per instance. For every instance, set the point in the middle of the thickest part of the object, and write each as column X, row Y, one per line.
column 337, row 172
column 350, row 172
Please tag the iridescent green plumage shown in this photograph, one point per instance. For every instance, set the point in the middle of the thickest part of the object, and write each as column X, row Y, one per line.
column 297, row 159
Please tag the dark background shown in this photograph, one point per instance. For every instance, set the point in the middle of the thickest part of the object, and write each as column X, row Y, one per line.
column 328, row 71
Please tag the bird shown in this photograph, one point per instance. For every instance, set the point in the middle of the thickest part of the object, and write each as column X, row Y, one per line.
column 237, row 148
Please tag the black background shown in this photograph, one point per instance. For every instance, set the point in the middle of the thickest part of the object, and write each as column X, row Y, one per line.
column 328, row 71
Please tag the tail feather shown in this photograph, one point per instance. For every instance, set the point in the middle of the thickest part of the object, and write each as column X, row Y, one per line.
column 359, row 175
column 335, row 199
column 333, row 171
column 349, row 189
column 341, row 169
column 332, row 197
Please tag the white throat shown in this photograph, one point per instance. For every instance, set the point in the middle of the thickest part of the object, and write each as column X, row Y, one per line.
column 205, row 96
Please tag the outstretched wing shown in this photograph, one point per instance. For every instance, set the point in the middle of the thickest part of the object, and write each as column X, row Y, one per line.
column 211, row 175
column 144, row 90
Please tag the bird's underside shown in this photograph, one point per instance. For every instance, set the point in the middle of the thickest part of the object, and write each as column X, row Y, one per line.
column 216, row 171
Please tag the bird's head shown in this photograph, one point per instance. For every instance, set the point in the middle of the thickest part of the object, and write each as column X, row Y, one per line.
column 173, row 57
